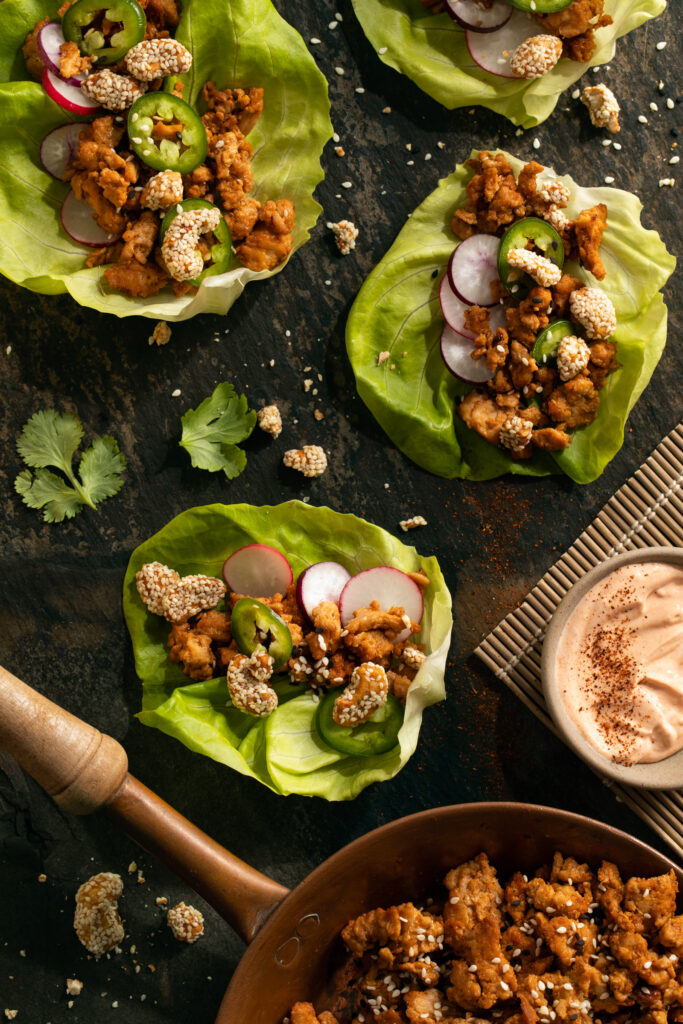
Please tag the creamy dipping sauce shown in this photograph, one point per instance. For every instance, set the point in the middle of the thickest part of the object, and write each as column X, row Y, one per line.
column 620, row 664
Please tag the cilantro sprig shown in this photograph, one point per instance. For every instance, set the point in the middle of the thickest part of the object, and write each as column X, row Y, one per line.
column 212, row 431
column 52, row 439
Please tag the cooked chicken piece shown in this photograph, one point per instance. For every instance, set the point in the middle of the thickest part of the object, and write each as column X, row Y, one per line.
column 231, row 108
column 192, row 650
column 140, row 238
column 136, row 279
column 270, row 242
column 242, row 219
column 560, row 899
column 574, row 403
column 71, row 63
column 550, row 439
column 589, row 228
column 480, row 413
column 34, row 62
column 326, row 635
column 216, row 625
column 406, row 930
column 234, row 178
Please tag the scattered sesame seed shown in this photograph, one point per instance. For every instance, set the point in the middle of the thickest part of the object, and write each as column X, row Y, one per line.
column 609, row 179
column 347, row 184
column 339, row 70
column 382, row 49
column 314, row 41
column 536, row 144
column 642, row 119
column 176, row 393
column 661, row 44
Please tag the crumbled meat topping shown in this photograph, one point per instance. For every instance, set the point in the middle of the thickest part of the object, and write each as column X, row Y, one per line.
column 179, row 247
column 515, row 433
column 544, row 271
column 412, row 523
column 96, row 920
column 573, row 356
column 248, row 683
column 162, row 191
column 270, row 420
column 309, row 460
column 112, row 91
column 157, row 58
column 153, row 581
column 186, row 923
column 536, row 56
column 603, row 107
column 594, row 311
column 365, row 694
column 345, row 235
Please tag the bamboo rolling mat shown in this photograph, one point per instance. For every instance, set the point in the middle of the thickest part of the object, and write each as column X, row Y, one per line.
column 647, row 510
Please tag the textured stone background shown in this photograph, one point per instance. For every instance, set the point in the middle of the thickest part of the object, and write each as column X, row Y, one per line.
column 61, row 626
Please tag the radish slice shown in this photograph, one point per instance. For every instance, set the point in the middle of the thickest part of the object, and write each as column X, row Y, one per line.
column 391, row 588
column 70, row 97
column 78, row 221
column 323, row 581
column 456, row 353
column 492, row 50
column 472, row 267
column 453, row 309
column 58, row 147
column 257, row 571
column 49, row 40
column 470, row 14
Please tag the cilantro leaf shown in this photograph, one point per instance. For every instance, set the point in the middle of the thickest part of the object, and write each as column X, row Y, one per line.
column 212, row 431
column 52, row 439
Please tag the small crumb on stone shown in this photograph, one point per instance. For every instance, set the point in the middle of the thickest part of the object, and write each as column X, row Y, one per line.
column 161, row 335
column 318, row 415
column 340, row 151
column 161, row 901
column 270, row 420
column 386, row 110
column 42, row 878
column 308, row 384
column 11, row 1014
column 345, row 235
column 309, row 460
column 412, row 523
column 132, row 867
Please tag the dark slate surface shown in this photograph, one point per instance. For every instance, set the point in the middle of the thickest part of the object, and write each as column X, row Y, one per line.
column 61, row 626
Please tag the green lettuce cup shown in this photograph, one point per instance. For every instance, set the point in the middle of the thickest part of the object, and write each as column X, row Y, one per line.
column 283, row 751
column 234, row 43
column 431, row 50
column 413, row 396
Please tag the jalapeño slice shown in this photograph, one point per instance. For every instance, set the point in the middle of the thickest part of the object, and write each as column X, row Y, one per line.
column 546, row 344
column 256, row 625
column 166, row 133
column 540, row 6
column 86, row 21
column 376, row 736
column 221, row 252
column 544, row 238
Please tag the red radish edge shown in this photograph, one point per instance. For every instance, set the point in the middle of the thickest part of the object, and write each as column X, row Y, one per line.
column 322, row 581
column 456, row 352
column 69, row 97
column 472, row 267
column 49, row 40
column 453, row 309
column 257, row 570
column 79, row 223
column 58, row 147
column 470, row 15
column 372, row 584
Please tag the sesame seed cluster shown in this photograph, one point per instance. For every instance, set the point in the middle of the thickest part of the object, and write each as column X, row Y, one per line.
column 162, row 191
column 248, row 683
column 345, row 235
column 156, row 58
column 365, row 694
column 176, row 597
column 536, row 56
column 186, row 923
column 270, row 420
column 309, row 460
column 595, row 311
column 179, row 247
column 573, row 356
column 603, row 107
column 96, row 920
column 544, row 271
column 515, row 433
column 112, row 91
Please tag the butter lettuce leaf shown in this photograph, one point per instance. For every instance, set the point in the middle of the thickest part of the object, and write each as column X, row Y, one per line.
column 283, row 751
column 397, row 311
column 431, row 50
column 234, row 42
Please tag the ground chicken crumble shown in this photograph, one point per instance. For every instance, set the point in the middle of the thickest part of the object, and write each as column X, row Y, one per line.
column 569, row 945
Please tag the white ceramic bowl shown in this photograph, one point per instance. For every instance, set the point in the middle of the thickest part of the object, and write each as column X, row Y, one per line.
column 666, row 774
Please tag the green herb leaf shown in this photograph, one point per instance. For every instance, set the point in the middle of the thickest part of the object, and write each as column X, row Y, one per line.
column 212, row 431
column 51, row 439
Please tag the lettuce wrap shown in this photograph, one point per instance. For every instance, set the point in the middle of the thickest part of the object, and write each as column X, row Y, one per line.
column 283, row 751
column 431, row 50
column 233, row 42
column 413, row 396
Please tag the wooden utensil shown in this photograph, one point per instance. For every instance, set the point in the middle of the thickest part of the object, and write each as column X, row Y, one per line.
column 293, row 936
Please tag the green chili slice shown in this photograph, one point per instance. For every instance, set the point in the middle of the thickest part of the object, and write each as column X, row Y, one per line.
column 166, row 133
column 87, row 23
column 376, row 736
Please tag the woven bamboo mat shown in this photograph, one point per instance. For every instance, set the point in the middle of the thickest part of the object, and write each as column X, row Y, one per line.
column 647, row 510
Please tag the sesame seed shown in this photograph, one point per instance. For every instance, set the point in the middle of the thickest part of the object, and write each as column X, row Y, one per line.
column 536, row 144
column 642, row 119
column 661, row 44
column 609, row 179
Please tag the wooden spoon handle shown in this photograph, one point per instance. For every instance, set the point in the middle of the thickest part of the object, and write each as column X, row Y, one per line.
column 77, row 765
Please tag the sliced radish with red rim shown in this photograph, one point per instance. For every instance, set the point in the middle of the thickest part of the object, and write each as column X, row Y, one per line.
column 456, row 352
column 257, row 570
column 472, row 268
column 70, row 97
column 453, row 309
column 470, row 14
column 78, row 222
column 59, row 147
column 49, row 40
column 323, row 581
column 492, row 50
column 390, row 587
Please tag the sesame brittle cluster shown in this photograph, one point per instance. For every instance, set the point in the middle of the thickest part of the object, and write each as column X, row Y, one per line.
column 530, row 403
column 568, row 945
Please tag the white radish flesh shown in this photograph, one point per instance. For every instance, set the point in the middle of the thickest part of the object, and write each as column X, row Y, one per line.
column 323, row 581
column 456, row 353
column 470, row 14
column 70, row 97
column 453, row 309
column 257, row 571
column 78, row 222
column 492, row 50
column 472, row 268
column 390, row 587
column 58, row 148
column 49, row 40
